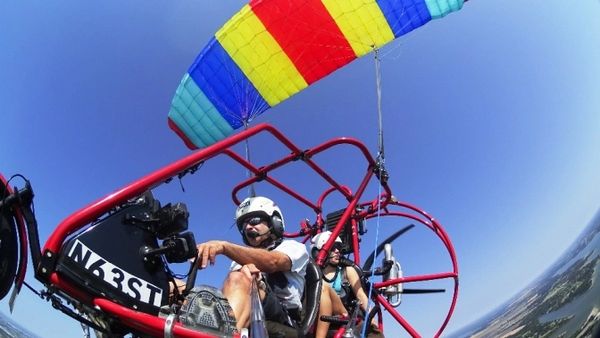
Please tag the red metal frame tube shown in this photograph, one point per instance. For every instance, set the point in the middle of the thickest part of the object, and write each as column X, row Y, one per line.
column 154, row 325
column 146, row 323
column 323, row 253
column 355, row 243
column 436, row 228
column 91, row 212
column 439, row 229
column 418, row 278
column 451, row 311
column 65, row 286
column 308, row 153
column 381, row 300
column 345, row 192
column 433, row 225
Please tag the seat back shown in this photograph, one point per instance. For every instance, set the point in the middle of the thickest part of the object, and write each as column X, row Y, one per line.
column 313, row 282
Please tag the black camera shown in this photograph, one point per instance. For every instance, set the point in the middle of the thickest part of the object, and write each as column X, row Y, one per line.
column 163, row 221
column 166, row 223
column 181, row 247
column 169, row 223
column 170, row 220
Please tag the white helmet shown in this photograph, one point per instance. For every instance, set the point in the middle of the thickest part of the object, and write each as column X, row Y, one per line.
column 320, row 239
column 260, row 206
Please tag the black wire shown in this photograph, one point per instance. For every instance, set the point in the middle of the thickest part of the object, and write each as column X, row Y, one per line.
column 32, row 289
column 19, row 176
column 7, row 188
column 173, row 274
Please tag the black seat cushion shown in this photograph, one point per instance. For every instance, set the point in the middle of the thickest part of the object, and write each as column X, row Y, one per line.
column 312, row 296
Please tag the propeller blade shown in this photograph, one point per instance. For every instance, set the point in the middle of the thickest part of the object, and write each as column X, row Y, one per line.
column 371, row 258
column 421, row 291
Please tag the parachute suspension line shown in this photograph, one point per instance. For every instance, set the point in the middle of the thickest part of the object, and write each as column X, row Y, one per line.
column 251, row 190
column 380, row 172
column 380, row 149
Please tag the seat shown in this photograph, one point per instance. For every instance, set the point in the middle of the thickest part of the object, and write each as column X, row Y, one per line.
column 313, row 282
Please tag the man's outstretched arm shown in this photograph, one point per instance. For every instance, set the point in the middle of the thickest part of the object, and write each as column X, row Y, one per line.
column 264, row 260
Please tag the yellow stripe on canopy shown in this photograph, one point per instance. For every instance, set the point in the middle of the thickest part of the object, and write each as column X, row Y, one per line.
column 260, row 57
column 361, row 22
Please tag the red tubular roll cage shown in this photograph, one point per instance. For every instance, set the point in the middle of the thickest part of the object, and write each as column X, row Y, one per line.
column 380, row 206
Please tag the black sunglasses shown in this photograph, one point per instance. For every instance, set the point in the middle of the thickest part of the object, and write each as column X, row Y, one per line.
column 337, row 245
column 253, row 221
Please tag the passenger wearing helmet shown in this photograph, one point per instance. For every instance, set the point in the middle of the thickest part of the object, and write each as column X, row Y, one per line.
column 341, row 280
column 282, row 263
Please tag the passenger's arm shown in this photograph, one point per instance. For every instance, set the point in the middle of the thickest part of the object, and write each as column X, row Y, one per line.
column 357, row 288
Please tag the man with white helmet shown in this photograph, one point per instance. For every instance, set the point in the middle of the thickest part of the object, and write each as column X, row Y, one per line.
column 282, row 263
column 343, row 284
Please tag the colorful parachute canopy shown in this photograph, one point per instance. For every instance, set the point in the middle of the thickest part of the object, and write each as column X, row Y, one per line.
column 272, row 49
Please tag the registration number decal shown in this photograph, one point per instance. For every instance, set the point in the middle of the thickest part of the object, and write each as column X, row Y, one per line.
column 125, row 282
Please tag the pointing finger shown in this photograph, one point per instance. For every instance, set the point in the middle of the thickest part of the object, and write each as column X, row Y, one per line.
column 212, row 255
column 204, row 258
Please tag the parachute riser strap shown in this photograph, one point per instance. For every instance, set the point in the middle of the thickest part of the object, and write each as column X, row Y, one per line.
column 251, row 191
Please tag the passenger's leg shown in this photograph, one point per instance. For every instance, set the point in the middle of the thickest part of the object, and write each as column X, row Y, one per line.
column 237, row 290
column 337, row 305
column 330, row 304
column 325, row 309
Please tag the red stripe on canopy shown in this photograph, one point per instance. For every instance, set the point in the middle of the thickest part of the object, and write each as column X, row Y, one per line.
column 307, row 34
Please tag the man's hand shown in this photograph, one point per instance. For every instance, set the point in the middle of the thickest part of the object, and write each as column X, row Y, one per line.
column 251, row 271
column 208, row 251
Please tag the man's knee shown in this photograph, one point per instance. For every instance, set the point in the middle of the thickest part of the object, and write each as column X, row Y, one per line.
column 237, row 280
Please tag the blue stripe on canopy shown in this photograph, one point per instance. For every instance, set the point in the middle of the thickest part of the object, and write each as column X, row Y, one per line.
column 404, row 15
column 196, row 116
column 226, row 86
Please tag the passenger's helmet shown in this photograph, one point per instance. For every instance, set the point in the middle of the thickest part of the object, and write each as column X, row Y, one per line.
column 317, row 242
column 321, row 238
column 260, row 206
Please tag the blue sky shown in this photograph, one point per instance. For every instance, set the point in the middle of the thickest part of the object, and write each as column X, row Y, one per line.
column 491, row 115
